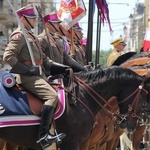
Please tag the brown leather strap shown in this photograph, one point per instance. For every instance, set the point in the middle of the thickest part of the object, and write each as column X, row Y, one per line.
column 138, row 61
column 29, row 62
column 58, row 47
column 35, row 40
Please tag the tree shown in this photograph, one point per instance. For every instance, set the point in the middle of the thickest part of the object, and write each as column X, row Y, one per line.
column 103, row 56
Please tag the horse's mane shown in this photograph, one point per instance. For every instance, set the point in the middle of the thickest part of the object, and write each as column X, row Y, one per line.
column 108, row 73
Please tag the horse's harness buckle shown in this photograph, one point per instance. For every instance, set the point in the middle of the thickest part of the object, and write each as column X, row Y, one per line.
column 130, row 108
column 123, row 117
column 140, row 87
column 120, row 116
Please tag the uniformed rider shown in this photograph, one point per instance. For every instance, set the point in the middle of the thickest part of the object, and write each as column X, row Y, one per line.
column 30, row 76
column 79, row 52
column 58, row 51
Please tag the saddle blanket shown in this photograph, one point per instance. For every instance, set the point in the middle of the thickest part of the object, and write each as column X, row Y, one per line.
column 14, row 105
column 22, row 120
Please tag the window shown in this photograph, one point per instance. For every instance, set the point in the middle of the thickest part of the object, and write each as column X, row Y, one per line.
column 10, row 10
column 1, row 4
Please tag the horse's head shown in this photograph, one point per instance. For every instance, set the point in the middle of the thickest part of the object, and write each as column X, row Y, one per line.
column 145, row 110
column 129, row 88
column 138, row 96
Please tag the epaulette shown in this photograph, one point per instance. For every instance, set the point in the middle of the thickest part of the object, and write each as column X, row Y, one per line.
column 17, row 36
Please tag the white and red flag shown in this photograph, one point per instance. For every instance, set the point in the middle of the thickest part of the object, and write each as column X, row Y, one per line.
column 146, row 42
column 70, row 12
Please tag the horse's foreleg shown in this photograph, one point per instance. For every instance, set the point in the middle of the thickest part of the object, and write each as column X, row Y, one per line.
column 125, row 141
column 10, row 146
column 2, row 144
column 102, row 146
column 137, row 136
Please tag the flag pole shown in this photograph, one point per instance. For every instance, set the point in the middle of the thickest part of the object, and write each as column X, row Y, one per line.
column 98, row 39
column 88, row 52
column 51, row 55
column 72, row 41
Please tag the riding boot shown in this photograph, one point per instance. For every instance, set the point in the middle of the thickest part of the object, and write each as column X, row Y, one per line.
column 45, row 138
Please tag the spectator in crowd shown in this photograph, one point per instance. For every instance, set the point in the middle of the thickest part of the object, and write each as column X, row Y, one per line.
column 119, row 46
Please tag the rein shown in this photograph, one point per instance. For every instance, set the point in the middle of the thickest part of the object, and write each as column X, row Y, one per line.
column 133, row 106
column 71, row 90
column 138, row 90
column 90, row 91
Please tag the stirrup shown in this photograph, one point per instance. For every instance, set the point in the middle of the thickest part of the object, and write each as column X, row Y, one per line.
column 49, row 139
column 60, row 137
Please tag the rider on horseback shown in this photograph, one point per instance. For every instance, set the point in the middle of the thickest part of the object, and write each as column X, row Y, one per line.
column 57, row 52
column 31, row 76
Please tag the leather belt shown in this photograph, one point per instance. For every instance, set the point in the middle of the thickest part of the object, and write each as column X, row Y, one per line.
column 29, row 62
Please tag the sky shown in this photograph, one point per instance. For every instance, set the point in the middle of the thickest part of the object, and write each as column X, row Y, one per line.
column 119, row 12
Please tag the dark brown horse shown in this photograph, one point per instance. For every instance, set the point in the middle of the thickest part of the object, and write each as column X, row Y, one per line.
column 103, row 129
column 77, row 121
column 139, row 63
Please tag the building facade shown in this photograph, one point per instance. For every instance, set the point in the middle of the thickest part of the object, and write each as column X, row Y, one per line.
column 8, row 21
column 134, row 31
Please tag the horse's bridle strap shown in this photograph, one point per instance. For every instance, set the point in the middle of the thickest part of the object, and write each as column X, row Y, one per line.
column 80, row 102
column 129, row 96
column 89, row 90
column 80, row 81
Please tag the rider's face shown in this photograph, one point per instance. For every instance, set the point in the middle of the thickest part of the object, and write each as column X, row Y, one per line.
column 25, row 21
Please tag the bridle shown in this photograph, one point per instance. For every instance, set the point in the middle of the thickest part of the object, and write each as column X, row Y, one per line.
column 116, row 117
column 132, row 109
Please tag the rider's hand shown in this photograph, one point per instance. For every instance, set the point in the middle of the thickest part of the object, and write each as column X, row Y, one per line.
column 57, row 68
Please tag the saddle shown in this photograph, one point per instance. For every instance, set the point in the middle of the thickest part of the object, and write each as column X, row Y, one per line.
column 27, row 103
column 36, row 104
column 139, row 65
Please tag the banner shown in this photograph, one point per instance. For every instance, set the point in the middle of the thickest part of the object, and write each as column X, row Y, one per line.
column 70, row 12
column 146, row 42
column 103, row 12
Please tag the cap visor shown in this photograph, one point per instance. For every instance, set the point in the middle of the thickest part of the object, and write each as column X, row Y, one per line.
column 55, row 21
column 122, row 43
column 31, row 16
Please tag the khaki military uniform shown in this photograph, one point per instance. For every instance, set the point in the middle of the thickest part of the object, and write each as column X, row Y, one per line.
column 58, row 50
column 17, row 50
column 112, row 57
column 80, row 54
